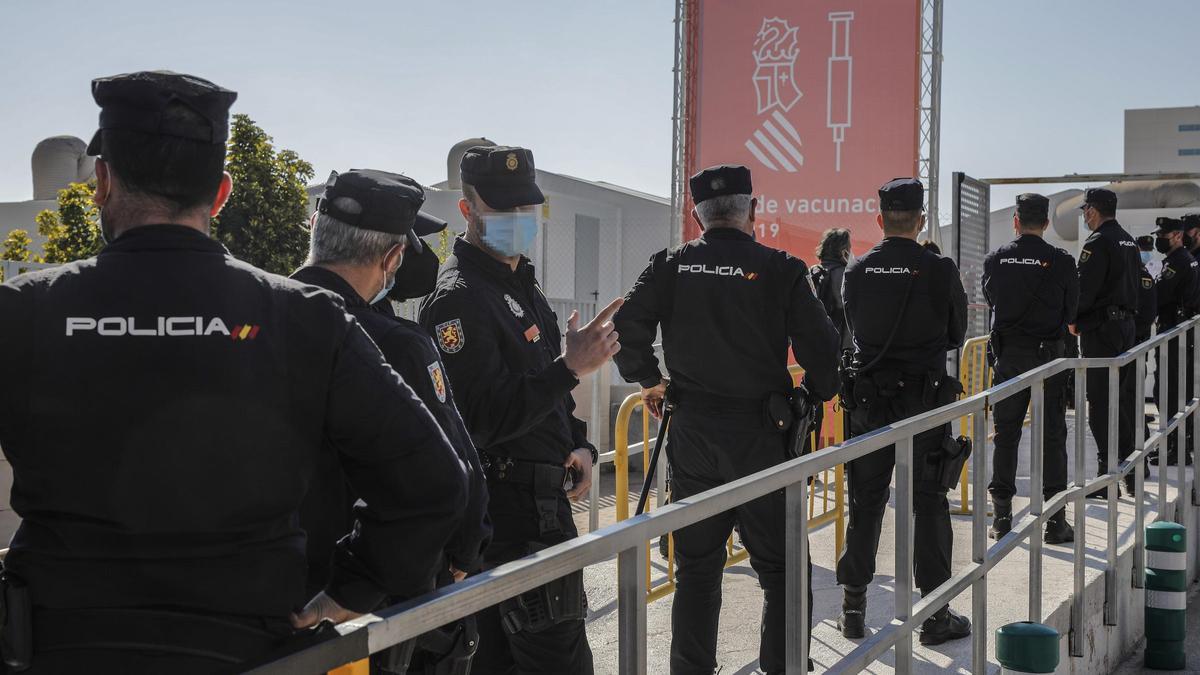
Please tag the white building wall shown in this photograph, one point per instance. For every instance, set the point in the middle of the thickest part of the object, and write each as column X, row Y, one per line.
column 1160, row 140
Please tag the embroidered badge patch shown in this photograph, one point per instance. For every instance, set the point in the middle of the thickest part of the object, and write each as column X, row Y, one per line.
column 1084, row 255
column 439, row 381
column 1147, row 283
column 1167, row 272
column 514, row 306
column 450, row 336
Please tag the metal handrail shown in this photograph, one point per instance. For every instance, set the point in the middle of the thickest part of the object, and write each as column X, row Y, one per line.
column 627, row 540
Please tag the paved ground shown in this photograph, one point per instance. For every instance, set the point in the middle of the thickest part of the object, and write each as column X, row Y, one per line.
column 738, row 639
column 1134, row 665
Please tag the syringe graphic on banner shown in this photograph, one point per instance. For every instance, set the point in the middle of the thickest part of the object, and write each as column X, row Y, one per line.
column 839, row 81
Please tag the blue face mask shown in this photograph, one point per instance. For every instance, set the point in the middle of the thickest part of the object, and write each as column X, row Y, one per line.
column 510, row 234
column 388, row 283
column 1145, row 257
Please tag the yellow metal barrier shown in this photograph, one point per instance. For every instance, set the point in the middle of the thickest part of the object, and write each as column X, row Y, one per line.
column 975, row 375
column 831, row 485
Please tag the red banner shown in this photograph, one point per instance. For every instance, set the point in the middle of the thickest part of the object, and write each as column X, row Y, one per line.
column 818, row 98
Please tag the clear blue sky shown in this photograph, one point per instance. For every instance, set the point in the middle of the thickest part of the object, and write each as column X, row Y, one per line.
column 1029, row 87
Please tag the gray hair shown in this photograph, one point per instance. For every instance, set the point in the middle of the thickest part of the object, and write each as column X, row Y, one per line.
column 334, row 242
column 724, row 211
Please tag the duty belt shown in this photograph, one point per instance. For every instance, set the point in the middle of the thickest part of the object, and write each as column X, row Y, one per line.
column 544, row 479
column 703, row 399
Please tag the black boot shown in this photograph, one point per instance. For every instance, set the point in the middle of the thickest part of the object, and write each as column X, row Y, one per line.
column 1058, row 530
column 944, row 626
column 1002, row 518
column 1130, row 484
column 853, row 620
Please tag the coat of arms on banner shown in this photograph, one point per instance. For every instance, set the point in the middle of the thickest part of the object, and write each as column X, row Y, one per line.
column 439, row 380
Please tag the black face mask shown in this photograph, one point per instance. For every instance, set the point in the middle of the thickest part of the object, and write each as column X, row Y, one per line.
column 1162, row 245
column 416, row 276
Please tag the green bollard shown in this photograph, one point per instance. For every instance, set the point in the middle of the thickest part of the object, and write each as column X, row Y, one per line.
column 1166, row 596
column 1027, row 647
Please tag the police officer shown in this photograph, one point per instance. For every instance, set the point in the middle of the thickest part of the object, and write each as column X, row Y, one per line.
column 1032, row 289
column 1143, row 321
column 748, row 301
column 365, row 245
column 1109, row 269
column 1174, row 290
column 906, row 308
column 512, row 381
column 172, row 404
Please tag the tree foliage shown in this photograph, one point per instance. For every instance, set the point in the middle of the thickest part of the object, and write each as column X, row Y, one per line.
column 263, row 221
column 73, row 231
column 17, row 247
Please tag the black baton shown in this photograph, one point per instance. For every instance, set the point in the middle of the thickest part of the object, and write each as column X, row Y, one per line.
column 662, row 434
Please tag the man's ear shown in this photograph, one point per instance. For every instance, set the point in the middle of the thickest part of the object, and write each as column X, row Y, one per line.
column 223, row 192
column 103, row 183
column 753, row 208
column 696, row 217
column 879, row 220
column 464, row 207
column 394, row 257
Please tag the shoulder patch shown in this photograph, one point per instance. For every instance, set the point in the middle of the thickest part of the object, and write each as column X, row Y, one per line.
column 450, row 336
column 1167, row 272
column 439, row 380
column 1084, row 255
column 1147, row 283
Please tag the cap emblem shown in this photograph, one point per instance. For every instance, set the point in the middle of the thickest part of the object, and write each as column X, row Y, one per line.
column 511, row 162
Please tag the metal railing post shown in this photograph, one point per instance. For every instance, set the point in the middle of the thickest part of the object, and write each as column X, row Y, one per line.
column 1081, row 476
column 904, row 549
column 979, row 541
column 796, row 579
column 1110, row 567
column 1161, row 376
column 1036, row 448
column 631, row 610
column 1193, row 333
column 1181, row 428
column 1139, row 472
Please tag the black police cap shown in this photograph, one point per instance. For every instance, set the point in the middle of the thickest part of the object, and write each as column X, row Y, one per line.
column 1033, row 207
column 503, row 176
column 138, row 101
column 389, row 203
column 1101, row 198
column 902, row 194
column 1191, row 220
column 719, row 181
column 1163, row 225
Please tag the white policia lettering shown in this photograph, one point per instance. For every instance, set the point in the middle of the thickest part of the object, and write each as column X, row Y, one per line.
column 888, row 270
column 1021, row 261
column 719, row 270
column 170, row 326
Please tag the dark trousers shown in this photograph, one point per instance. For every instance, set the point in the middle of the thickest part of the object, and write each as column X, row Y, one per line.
column 1173, row 376
column 709, row 448
column 561, row 649
column 1109, row 339
column 870, row 478
column 1009, row 415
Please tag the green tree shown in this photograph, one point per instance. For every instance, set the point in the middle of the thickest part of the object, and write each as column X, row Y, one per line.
column 263, row 222
column 17, row 247
column 73, row 231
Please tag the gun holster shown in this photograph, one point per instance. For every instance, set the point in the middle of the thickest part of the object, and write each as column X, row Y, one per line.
column 946, row 467
column 16, row 613
column 443, row 651
column 779, row 413
column 846, row 376
column 557, row 602
column 804, row 415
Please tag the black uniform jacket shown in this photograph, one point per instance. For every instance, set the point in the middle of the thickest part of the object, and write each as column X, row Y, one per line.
column 408, row 349
column 934, row 319
column 1147, row 303
column 1174, row 288
column 1108, row 275
column 164, row 407
column 728, row 307
column 501, row 345
column 1032, row 288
